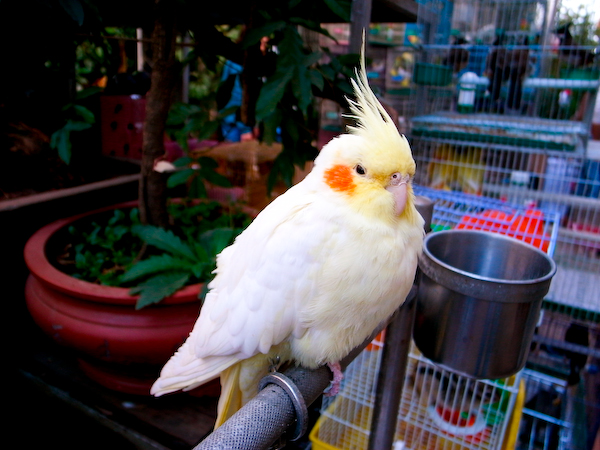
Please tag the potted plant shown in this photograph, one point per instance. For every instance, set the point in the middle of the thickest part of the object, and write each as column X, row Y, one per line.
column 122, row 340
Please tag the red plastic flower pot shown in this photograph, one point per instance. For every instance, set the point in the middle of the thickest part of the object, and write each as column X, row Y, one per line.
column 117, row 343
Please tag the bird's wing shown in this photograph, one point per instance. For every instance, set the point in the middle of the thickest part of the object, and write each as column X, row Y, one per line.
column 261, row 279
column 260, row 283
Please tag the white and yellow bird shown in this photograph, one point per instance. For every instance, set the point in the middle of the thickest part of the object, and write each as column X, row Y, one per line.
column 317, row 270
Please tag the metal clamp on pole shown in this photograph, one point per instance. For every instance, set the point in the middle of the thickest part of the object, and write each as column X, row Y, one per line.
column 295, row 396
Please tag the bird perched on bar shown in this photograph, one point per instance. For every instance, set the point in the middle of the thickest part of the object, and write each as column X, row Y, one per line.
column 317, row 270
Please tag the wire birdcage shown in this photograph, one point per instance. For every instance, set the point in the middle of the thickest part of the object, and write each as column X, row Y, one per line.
column 438, row 408
column 505, row 102
column 543, row 423
column 554, row 414
column 505, row 107
column 497, row 102
column 537, row 179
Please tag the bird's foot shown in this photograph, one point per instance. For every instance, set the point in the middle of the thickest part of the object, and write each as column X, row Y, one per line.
column 338, row 376
column 274, row 364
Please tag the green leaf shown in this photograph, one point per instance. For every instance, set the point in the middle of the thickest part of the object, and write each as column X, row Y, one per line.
column 180, row 177
column 183, row 161
column 228, row 111
column 283, row 167
column 207, row 162
column 207, row 130
column 85, row 114
column 61, row 141
column 181, row 136
column 271, row 122
column 271, row 93
column 159, row 287
column 202, row 253
column 312, row 58
column 256, row 34
column 87, row 92
column 195, row 124
column 336, row 65
column 214, row 177
column 179, row 113
column 214, row 241
column 291, row 128
column 118, row 231
column 74, row 9
column 118, row 215
column 291, row 46
column 197, row 188
column 163, row 240
column 134, row 215
column 202, row 294
column 339, row 10
column 67, row 107
column 199, row 270
column 306, row 152
column 75, row 125
column 313, row 25
column 55, row 138
column 302, row 88
column 316, row 79
column 345, row 87
column 349, row 59
column 153, row 265
column 328, row 72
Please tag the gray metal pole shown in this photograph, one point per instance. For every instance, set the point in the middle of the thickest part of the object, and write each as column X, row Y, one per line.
column 360, row 20
column 394, row 359
column 390, row 381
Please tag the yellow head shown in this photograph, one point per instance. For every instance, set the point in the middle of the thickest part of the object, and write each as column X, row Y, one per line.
column 372, row 166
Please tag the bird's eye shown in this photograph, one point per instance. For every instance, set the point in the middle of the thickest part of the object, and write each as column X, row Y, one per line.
column 360, row 170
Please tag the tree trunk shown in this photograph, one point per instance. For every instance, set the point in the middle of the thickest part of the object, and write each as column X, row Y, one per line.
column 153, row 189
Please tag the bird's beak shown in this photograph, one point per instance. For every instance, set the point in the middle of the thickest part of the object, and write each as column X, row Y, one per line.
column 398, row 187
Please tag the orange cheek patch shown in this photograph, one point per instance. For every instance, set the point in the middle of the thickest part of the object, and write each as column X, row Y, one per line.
column 339, row 178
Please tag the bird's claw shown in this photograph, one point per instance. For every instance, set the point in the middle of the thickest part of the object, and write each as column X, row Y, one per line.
column 338, row 376
column 274, row 364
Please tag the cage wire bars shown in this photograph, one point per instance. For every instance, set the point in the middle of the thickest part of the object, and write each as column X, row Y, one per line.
column 502, row 110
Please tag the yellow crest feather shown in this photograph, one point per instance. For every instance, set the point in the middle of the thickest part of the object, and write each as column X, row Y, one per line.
column 367, row 110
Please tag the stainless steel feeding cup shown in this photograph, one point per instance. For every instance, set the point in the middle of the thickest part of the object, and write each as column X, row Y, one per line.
column 479, row 300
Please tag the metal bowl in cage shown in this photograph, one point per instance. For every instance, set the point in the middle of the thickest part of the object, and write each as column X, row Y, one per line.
column 479, row 300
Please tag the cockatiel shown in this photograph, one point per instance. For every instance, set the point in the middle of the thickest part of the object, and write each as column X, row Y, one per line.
column 317, row 270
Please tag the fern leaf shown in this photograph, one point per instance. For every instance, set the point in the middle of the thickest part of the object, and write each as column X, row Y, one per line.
column 215, row 240
column 155, row 264
column 159, row 287
column 164, row 240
